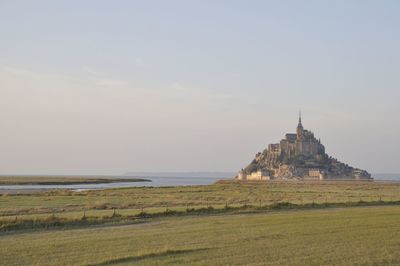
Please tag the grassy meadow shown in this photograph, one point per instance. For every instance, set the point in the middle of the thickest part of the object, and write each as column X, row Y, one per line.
column 291, row 223
column 337, row 236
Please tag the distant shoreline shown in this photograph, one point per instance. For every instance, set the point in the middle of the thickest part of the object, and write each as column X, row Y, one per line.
column 63, row 180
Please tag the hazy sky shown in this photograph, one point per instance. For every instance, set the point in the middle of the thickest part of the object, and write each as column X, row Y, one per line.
column 106, row 87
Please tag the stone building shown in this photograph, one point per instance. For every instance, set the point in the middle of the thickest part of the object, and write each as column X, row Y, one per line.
column 299, row 156
column 259, row 175
column 301, row 143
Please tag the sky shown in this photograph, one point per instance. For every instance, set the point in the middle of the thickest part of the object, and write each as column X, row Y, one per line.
column 108, row 87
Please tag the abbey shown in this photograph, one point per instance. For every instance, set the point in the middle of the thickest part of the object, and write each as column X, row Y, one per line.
column 299, row 156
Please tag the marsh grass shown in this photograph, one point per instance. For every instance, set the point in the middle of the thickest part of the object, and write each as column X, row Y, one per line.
column 147, row 202
column 63, row 208
column 228, row 193
column 329, row 236
column 45, row 222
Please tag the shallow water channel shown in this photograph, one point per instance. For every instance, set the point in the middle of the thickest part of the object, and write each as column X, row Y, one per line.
column 155, row 182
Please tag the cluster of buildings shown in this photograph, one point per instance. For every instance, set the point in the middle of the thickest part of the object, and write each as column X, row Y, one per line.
column 299, row 156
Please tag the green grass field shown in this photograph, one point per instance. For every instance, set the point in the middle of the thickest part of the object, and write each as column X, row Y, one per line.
column 287, row 223
column 342, row 236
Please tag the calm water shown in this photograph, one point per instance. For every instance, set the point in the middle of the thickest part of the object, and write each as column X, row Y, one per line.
column 386, row 177
column 157, row 181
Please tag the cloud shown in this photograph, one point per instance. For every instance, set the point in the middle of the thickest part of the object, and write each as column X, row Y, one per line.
column 100, row 96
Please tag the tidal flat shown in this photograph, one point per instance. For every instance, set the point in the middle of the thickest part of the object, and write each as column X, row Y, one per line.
column 63, row 180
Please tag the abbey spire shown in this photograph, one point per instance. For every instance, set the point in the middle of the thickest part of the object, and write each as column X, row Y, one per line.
column 299, row 126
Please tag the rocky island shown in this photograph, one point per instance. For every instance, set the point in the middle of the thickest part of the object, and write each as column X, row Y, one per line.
column 299, row 156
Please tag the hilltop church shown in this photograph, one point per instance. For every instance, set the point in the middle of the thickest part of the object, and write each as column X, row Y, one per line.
column 299, row 156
